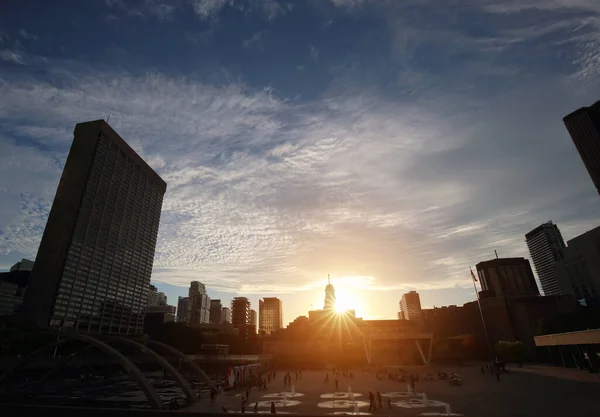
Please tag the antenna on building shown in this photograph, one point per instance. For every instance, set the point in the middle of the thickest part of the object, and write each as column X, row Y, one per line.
column 108, row 117
column 496, row 252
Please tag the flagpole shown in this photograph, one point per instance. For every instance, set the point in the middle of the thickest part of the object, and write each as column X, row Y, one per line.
column 487, row 340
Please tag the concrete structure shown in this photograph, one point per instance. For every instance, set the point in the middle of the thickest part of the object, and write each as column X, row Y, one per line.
column 410, row 306
column 22, row 265
column 329, row 304
column 200, row 303
column 183, row 310
column 152, row 295
column 254, row 319
column 545, row 245
column 579, row 349
column 584, row 127
column 507, row 277
column 225, row 315
column 270, row 310
column 578, row 273
column 94, row 262
column 216, row 310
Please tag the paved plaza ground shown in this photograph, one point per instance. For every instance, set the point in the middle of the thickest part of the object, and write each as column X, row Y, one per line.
column 530, row 391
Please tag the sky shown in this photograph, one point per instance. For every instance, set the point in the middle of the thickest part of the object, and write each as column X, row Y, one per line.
column 391, row 144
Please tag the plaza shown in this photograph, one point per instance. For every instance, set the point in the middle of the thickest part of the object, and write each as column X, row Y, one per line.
column 528, row 391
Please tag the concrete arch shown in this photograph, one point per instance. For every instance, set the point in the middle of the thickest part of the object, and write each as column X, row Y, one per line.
column 189, row 393
column 134, row 373
column 189, row 362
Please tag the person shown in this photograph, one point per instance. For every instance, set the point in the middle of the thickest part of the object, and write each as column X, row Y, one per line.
column 272, row 407
column 213, row 394
column 379, row 399
column 389, row 403
column 243, row 404
column 256, row 407
column 371, row 401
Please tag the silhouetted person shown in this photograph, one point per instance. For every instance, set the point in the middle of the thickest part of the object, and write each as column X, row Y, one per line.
column 371, row 401
column 273, row 408
column 379, row 399
column 389, row 403
column 256, row 407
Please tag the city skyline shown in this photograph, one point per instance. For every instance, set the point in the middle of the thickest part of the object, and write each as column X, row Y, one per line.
column 333, row 149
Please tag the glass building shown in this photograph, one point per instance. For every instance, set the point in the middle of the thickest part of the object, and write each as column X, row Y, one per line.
column 92, row 271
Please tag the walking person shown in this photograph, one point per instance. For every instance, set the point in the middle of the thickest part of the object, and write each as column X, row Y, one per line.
column 371, row 401
column 379, row 399
column 243, row 404
column 389, row 403
column 256, row 407
column 273, row 408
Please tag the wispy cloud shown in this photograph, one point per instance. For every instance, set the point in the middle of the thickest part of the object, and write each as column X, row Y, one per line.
column 11, row 56
column 26, row 35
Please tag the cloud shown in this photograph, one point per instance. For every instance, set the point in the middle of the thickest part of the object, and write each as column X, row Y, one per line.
column 11, row 56
column 160, row 9
column 209, row 8
column 255, row 39
column 26, row 35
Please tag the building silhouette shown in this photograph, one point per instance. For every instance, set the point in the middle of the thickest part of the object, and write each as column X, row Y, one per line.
column 254, row 319
column 93, row 266
column 184, row 308
column 270, row 311
column 240, row 312
column 507, row 277
column 584, row 127
column 546, row 244
column 199, row 303
column 329, row 304
column 410, row 306
column 578, row 272
column 216, row 309
column 152, row 296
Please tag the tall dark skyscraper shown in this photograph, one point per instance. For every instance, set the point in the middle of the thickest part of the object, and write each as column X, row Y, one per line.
column 584, row 127
column 92, row 270
column 507, row 277
column 546, row 244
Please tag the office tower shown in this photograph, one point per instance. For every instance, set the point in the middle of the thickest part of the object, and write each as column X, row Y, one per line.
column 254, row 319
column 410, row 306
column 584, row 127
column 329, row 304
column 225, row 315
column 578, row 273
column 94, row 262
column 22, row 265
column 507, row 277
column 270, row 313
column 200, row 303
column 161, row 299
column 545, row 245
column 216, row 309
column 184, row 308
column 152, row 296
column 240, row 312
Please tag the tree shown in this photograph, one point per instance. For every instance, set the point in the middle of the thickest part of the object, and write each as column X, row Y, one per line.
column 507, row 351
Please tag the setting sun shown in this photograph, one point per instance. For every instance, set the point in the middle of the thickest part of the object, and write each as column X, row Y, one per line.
column 345, row 301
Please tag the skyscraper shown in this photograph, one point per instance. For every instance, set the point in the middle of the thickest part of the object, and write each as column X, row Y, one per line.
column 329, row 296
column 584, row 127
column 410, row 306
column 199, row 303
column 270, row 312
column 545, row 245
column 93, row 266
column 216, row 309
column 225, row 315
column 240, row 312
column 183, row 310
column 152, row 296
column 254, row 319
column 507, row 277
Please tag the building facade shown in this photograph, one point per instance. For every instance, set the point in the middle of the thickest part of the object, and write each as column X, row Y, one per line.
column 152, row 295
column 184, row 309
column 254, row 319
column 546, row 244
column 584, row 127
column 93, row 266
column 240, row 312
column 270, row 312
column 330, row 299
column 200, row 303
column 578, row 273
column 225, row 315
column 22, row 265
column 216, row 309
column 410, row 306
column 507, row 277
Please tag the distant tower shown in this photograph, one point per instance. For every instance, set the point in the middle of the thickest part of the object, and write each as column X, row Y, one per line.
column 546, row 244
column 329, row 295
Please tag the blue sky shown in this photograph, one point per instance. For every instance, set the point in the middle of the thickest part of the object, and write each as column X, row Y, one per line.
column 389, row 143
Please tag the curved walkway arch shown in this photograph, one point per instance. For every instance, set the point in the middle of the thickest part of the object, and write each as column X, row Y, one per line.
column 133, row 371
column 190, row 362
